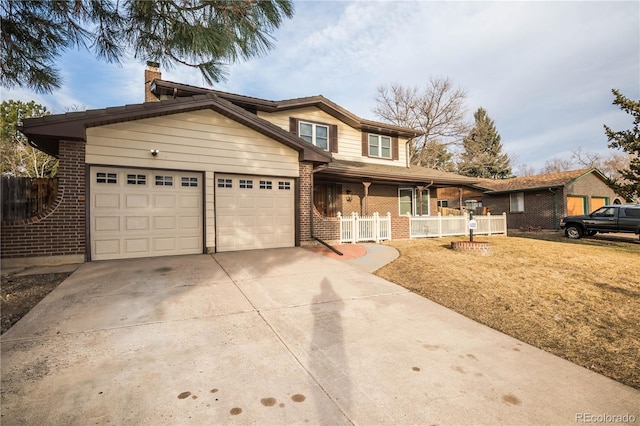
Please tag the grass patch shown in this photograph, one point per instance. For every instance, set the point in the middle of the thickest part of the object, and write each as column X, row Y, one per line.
column 579, row 300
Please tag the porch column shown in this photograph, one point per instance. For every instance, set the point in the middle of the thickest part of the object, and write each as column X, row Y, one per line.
column 366, row 197
column 420, row 188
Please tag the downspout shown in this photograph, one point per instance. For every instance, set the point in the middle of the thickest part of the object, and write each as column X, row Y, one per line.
column 324, row 243
column 555, row 208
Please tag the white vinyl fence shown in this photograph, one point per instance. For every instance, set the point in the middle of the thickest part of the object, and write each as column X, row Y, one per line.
column 442, row 226
column 355, row 228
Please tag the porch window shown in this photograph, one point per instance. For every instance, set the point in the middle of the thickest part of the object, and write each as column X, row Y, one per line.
column 379, row 146
column 409, row 202
column 315, row 134
column 516, row 202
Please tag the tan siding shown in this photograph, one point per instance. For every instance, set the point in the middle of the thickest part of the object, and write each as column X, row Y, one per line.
column 199, row 141
column 349, row 139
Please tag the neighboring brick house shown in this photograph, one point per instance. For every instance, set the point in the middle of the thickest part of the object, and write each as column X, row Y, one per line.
column 195, row 170
column 542, row 200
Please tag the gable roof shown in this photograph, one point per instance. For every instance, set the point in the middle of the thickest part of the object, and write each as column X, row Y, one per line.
column 46, row 132
column 529, row 183
column 163, row 88
column 393, row 174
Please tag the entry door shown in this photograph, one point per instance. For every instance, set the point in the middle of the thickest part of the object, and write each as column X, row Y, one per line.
column 254, row 212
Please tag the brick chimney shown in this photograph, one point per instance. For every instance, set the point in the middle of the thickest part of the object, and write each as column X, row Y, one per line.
column 151, row 73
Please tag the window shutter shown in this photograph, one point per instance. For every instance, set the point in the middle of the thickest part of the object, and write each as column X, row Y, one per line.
column 333, row 138
column 394, row 149
column 365, row 144
column 293, row 125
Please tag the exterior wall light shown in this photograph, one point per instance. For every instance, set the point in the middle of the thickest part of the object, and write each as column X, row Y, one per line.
column 348, row 195
column 154, row 152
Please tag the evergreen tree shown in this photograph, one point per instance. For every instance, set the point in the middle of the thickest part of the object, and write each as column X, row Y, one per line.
column 19, row 159
column 629, row 142
column 482, row 151
column 204, row 34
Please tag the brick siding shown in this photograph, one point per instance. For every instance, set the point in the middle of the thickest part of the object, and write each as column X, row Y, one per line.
column 61, row 230
column 538, row 209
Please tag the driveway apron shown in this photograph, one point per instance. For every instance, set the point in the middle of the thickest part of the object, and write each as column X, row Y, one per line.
column 281, row 336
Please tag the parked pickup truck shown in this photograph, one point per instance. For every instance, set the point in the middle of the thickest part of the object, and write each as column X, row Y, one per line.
column 615, row 218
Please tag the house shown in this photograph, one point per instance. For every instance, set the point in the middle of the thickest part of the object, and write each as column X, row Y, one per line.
column 195, row 170
column 542, row 200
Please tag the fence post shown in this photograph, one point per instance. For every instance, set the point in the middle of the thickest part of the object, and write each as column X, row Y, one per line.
column 339, row 215
column 489, row 220
column 389, row 222
column 354, row 227
column 439, row 225
column 504, row 216
column 376, row 227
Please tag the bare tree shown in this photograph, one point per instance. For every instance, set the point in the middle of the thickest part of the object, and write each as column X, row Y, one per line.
column 557, row 165
column 610, row 165
column 436, row 112
column 525, row 170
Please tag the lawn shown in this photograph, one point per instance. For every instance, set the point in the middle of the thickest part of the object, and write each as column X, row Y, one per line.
column 577, row 299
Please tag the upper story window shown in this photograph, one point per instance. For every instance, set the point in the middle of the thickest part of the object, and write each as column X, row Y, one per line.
column 379, row 146
column 315, row 134
column 322, row 135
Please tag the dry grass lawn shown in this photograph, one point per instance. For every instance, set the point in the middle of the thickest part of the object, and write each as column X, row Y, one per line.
column 578, row 299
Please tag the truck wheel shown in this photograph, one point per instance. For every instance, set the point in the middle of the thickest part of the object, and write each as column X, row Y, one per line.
column 574, row 232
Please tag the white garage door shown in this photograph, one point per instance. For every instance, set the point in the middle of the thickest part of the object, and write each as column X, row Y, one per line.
column 254, row 212
column 145, row 213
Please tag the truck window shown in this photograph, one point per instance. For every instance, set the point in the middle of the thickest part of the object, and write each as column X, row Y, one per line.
column 632, row 212
column 605, row 212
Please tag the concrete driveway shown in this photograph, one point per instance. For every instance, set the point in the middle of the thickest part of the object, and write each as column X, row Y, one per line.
column 276, row 337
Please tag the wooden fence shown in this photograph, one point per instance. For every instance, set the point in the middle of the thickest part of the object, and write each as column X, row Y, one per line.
column 24, row 198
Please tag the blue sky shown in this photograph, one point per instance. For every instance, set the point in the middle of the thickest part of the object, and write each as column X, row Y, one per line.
column 543, row 70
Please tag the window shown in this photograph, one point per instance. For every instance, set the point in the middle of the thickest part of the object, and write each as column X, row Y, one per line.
column 325, row 199
column 516, row 202
column 224, row 183
column 106, row 177
column 409, row 202
column 284, row 185
column 265, row 184
column 379, row 146
column 315, row 134
column 164, row 180
column 246, row 184
column 443, row 203
column 136, row 179
column 190, row 181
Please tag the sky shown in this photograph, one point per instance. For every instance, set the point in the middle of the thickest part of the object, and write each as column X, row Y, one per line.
column 543, row 71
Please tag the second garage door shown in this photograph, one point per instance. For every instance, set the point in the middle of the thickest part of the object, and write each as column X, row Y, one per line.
column 254, row 212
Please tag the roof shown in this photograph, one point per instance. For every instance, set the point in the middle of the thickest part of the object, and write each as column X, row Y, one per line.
column 45, row 132
column 528, row 183
column 393, row 174
column 168, row 88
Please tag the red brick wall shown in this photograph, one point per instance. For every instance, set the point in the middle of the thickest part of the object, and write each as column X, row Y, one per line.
column 400, row 228
column 304, row 202
column 61, row 230
column 538, row 209
column 325, row 228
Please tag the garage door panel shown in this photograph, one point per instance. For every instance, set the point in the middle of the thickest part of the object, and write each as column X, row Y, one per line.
column 145, row 213
column 252, row 212
column 134, row 223
column 107, row 223
column 107, row 201
column 136, row 201
column 164, row 201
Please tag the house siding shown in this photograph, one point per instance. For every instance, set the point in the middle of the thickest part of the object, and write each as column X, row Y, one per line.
column 591, row 186
column 58, row 236
column 201, row 141
column 349, row 139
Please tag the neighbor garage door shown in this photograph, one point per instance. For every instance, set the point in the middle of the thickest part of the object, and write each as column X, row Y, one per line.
column 145, row 213
column 576, row 206
column 254, row 212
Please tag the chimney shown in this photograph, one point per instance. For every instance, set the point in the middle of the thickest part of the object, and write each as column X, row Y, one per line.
column 152, row 72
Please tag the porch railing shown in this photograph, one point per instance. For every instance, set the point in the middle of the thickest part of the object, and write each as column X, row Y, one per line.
column 355, row 228
column 442, row 226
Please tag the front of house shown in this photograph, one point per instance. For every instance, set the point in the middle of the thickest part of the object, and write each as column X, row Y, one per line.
column 194, row 170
